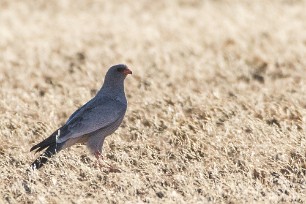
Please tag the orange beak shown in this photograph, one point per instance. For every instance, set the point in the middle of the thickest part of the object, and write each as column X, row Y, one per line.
column 126, row 71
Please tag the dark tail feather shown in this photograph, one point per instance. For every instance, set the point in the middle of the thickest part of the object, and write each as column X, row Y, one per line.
column 43, row 158
column 45, row 143
column 52, row 148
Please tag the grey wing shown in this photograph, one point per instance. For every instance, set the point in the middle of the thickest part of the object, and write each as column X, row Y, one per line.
column 81, row 110
column 94, row 118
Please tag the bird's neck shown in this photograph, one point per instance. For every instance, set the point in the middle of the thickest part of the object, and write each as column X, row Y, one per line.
column 114, row 91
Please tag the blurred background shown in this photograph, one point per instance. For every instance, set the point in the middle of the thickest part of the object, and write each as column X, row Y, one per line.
column 216, row 100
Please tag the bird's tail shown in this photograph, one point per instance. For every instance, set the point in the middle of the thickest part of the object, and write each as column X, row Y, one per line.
column 52, row 148
column 43, row 158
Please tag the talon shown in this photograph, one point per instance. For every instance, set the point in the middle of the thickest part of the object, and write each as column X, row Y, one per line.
column 99, row 163
column 97, row 154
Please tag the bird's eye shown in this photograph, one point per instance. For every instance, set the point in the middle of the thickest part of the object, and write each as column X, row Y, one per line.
column 120, row 69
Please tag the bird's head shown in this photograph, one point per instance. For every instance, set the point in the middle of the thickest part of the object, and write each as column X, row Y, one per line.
column 115, row 76
column 117, row 72
column 121, row 69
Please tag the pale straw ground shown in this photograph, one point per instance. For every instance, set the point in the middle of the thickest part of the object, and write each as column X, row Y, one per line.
column 217, row 100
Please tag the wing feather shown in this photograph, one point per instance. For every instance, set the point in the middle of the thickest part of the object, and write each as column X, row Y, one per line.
column 92, row 117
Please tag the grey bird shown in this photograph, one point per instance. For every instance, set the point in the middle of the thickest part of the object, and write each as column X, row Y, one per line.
column 91, row 123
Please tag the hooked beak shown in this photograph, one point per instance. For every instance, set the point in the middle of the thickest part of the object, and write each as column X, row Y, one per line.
column 126, row 71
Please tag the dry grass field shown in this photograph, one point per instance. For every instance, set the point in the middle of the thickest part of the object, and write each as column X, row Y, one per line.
column 217, row 99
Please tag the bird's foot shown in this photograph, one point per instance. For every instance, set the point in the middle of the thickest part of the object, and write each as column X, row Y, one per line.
column 101, row 163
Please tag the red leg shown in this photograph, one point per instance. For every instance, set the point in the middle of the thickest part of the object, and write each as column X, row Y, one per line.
column 97, row 154
column 110, row 167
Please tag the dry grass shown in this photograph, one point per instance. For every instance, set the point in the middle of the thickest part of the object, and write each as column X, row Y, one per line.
column 217, row 102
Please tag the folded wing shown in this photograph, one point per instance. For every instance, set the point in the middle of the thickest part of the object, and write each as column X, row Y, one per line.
column 94, row 116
